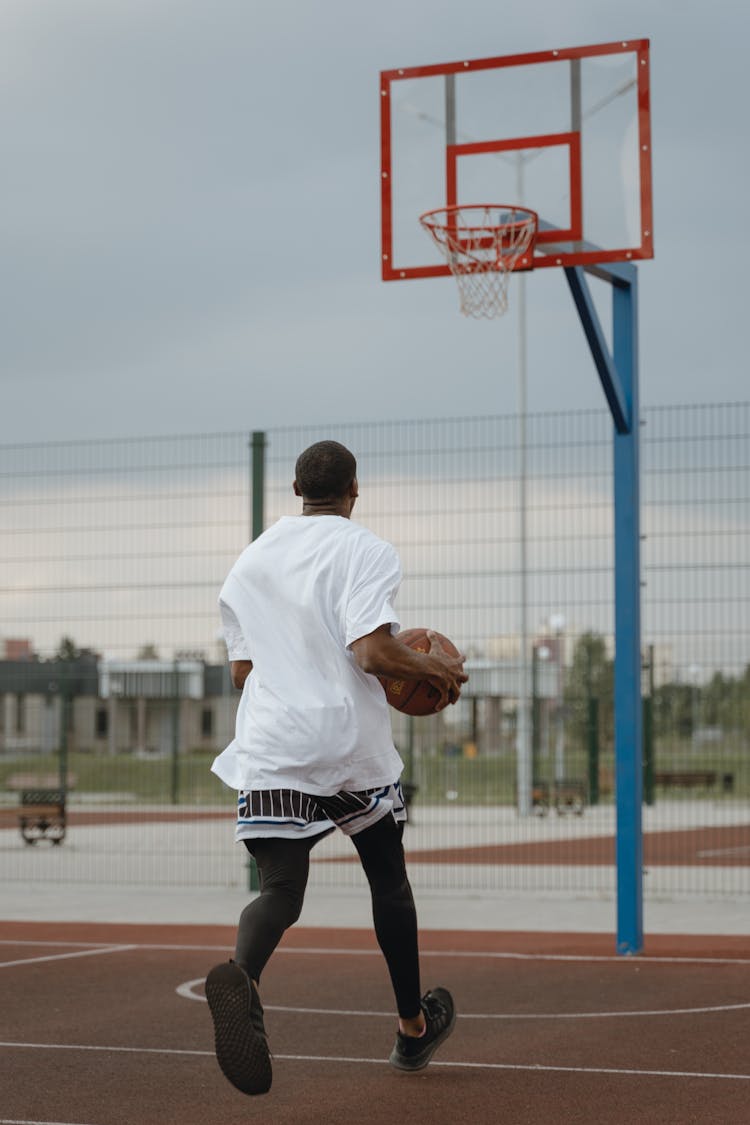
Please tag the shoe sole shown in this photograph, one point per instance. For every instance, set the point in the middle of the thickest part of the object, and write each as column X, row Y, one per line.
column 422, row 1061
column 241, row 1052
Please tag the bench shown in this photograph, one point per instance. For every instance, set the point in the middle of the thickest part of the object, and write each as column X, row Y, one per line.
column 567, row 796
column 540, row 798
column 42, row 815
column 570, row 796
column 693, row 779
column 42, row 805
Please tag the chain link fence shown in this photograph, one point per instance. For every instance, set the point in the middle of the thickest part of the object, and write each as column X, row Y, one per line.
column 114, row 685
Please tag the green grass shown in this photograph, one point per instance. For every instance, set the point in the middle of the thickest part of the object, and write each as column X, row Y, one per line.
column 131, row 778
column 488, row 780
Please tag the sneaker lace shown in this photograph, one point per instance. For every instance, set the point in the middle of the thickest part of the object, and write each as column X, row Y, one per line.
column 435, row 1011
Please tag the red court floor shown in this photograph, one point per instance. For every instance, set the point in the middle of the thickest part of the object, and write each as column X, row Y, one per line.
column 107, row 1025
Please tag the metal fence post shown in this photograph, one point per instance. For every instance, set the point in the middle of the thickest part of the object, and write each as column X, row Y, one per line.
column 592, row 739
column 66, row 698
column 648, row 750
column 174, row 773
column 257, row 518
column 258, row 481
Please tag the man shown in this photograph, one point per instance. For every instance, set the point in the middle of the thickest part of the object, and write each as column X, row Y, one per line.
column 308, row 618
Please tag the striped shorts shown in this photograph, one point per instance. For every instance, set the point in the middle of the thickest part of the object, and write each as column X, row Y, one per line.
column 293, row 814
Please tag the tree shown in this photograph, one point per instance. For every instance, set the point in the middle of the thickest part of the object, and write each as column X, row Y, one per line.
column 590, row 676
column 673, row 710
column 67, row 649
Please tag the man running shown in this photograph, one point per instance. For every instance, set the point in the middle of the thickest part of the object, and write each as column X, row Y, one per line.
column 308, row 619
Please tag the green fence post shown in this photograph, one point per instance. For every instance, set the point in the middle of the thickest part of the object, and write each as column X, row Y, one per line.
column 258, row 482
column 648, row 734
column 408, row 784
column 409, row 764
column 592, row 732
column 648, row 750
column 258, row 491
column 174, row 777
column 66, row 694
column 536, row 716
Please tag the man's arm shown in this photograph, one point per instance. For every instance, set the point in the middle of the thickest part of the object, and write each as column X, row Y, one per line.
column 240, row 666
column 240, row 670
column 381, row 654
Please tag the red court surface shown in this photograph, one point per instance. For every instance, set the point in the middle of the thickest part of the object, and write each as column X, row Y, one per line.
column 107, row 1025
column 725, row 846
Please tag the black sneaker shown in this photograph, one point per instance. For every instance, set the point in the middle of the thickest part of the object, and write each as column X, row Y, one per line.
column 241, row 1043
column 440, row 1015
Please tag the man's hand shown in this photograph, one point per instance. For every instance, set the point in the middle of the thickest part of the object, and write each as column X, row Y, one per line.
column 448, row 683
column 382, row 654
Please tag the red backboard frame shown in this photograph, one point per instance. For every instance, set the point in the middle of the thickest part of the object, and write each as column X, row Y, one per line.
column 582, row 255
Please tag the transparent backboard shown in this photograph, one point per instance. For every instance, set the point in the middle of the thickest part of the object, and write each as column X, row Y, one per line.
column 565, row 133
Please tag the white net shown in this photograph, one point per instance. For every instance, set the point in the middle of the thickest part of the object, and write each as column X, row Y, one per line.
column 482, row 244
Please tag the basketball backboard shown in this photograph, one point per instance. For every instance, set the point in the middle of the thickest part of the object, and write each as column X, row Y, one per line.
column 563, row 132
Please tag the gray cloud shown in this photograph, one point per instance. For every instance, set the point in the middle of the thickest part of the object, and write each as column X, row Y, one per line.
column 190, row 217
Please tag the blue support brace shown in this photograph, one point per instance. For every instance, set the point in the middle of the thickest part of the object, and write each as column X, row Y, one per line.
column 619, row 376
column 603, row 361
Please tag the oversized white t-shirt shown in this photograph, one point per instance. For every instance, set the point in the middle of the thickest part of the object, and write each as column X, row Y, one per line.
column 309, row 718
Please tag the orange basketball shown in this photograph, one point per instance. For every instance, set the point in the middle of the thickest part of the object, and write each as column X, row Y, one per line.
column 416, row 697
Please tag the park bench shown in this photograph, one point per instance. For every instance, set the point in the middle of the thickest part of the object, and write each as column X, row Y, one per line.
column 42, row 806
column 570, row 796
column 540, row 798
column 566, row 796
column 693, row 779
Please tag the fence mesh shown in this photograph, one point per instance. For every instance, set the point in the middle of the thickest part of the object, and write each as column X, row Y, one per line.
column 114, row 681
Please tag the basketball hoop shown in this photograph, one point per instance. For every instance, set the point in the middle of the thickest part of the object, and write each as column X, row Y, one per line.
column 482, row 243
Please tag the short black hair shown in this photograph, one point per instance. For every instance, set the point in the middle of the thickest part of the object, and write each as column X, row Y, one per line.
column 325, row 470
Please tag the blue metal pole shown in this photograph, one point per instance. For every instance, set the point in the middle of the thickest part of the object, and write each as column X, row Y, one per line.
column 628, row 705
column 619, row 378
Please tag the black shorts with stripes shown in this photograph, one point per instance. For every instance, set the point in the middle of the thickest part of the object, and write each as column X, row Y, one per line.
column 293, row 814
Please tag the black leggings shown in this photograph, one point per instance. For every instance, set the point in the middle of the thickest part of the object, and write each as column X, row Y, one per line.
column 284, row 866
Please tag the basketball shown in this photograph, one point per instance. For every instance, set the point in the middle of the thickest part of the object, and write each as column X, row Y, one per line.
column 416, row 697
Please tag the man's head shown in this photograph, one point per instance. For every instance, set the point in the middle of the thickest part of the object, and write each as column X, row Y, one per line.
column 326, row 473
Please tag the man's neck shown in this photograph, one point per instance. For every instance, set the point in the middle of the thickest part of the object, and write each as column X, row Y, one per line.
column 326, row 508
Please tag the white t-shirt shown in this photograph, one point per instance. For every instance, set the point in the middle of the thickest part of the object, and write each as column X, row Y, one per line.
column 309, row 718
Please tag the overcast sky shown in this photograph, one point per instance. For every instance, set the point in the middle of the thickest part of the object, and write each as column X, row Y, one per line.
column 190, row 216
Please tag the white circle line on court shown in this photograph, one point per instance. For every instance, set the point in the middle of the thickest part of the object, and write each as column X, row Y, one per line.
column 328, row 951
column 187, row 991
column 539, row 1067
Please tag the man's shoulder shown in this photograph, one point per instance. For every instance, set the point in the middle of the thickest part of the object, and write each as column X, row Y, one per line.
column 255, row 550
column 368, row 540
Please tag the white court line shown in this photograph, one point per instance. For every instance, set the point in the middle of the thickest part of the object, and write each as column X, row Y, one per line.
column 743, row 850
column 14, row 1121
column 55, row 945
column 384, row 1062
column 186, row 990
column 328, row 951
column 66, row 956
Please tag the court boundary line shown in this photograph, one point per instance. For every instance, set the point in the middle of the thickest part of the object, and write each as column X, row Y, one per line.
column 328, row 951
column 536, row 1067
column 24, row 1121
column 18, row 1121
column 66, row 956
